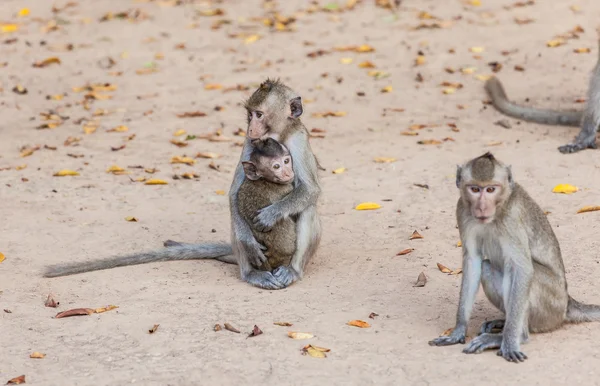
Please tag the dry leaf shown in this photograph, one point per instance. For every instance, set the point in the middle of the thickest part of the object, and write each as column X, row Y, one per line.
column 183, row 160
column 65, row 172
column 415, row 235
column 382, row 160
column 338, row 170
column 405, row 252
column 229, row 327
column 220, row 192
column 208, row 155
column 387, row 89
column 114, row 169
column 456, row 271
column 217, row 327
column 366, row 64
column 153, row 329
column 213, row 86
column 194, row 114
column 2, row 257
column 131, row 219
column 476, row 50
column 315, row 351
column 50, row 302
column 179, row 143
column 459, row 244
column 299, row 335
column 156, row 181
column 37, row 355
column 565, row 188
column 429, row 142
column 584, row 209
column 555, row 42
column 214, row 166
column 359, row 323
column 118, row 129
column 283, row 324
column 179, row 132
column 372, row 315
column 74, row 312
column 468, row 70
column 346, row 60
column 367, row 206
column 443, row 268
column 483, row 78
column 18, row 380
column 255, row 332
column 420, row 60
column 447, row 332
column 104, row 309
column 47, row 62
column 421, row 280
column 582, row 50
column 409, row 133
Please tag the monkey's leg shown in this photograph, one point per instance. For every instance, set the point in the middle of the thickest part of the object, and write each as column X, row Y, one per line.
column 586, row 139
column 308, row 237
column 491, row 281
column 260, row 279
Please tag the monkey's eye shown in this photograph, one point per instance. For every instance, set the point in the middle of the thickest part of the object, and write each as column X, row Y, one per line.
column 276, row 166
column 259, row 114
column 490, row 189
column 286, row 161
column 475, row 189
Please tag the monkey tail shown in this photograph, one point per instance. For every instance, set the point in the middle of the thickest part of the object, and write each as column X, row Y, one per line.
column 579, row 312
column 495, row 90
column 176, row 251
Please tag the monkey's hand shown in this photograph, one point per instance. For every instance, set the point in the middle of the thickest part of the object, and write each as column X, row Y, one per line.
column 458, row 335
column 285, row 275
column 265, row 219
column 253, row 249
column 511, row 354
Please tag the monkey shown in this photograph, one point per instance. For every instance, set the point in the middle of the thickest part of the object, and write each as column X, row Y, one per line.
column 269, row 177
column 588, row 119
column 510, row 248
column 273, row 110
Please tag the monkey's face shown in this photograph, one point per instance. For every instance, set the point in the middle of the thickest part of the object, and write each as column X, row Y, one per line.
column 280, row 170
column 483, row 199
column 257, row 124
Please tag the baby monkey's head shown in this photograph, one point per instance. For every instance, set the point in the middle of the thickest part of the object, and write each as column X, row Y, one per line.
column 269, row 160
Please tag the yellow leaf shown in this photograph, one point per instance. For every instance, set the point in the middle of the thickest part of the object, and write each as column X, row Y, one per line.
column 23, row 12
column 386, row 89
column 104, row 309
column 420, row 60
column 89, row 129
column 66, row 172
column 588, row 209
column 131, row 219
column 6, row 28
column 338, row 170
column 213, row 86
column 565, row 188
column 415, row 235
column 220, row 192
column 476, row 50
column 118, row 129
column 459, row 244
column 366, row 64
column 429, row 142
column 410, row 133
column 475, row 3
column 582, row 50
column 207, row 155
column 46, row 62
column 2, row 257
column 37, row 355
column 117, row 170
column 155, row 181
column 179, row 132
column 339, row 114
column 346, row 60
column 299, row 335
column 365, row 48
column 20, row 167
column 367, row 206
column 358, row 323
column 183, row 160
column 315, row 352
column 443, row 268
column 251, row 39
column 555, row 42
column 468, row 70
column 384, row 160
column 449, row 90
column 483, row 78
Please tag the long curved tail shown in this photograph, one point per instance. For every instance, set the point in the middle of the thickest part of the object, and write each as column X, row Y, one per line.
column 579, row 312
column 495, row 90
column 174, row 251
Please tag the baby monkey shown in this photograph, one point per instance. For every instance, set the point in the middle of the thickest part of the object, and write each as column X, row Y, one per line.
column 510, row 248
column 269, row 178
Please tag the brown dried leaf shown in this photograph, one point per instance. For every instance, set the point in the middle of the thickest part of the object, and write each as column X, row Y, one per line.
column 50, row 302
column 16, row 381
column 405, row 252
column 229, row 327
column 443, row 268
column 372, row 315
column 47, row 62
column 191, row 114
column 586, row 209
column 255, row 332
column 283, row 324
column 155, row 181
column 153, row 329
column 217, row 327
column 37, row 355
column 131, row 219
column 415, row 235
column 429, row 142
column 183, row 160
column 179, row 143
column 315, row 351
column 207, row 155
column 359, row 323
column 74, row 312
column 421, row 280
column 214, row 166
column 104, row 309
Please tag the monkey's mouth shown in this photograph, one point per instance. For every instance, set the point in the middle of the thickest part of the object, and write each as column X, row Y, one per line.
column 484, row 219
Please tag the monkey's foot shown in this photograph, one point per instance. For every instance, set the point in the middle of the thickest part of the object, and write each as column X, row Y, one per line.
column 285, row 275
column 263, row 279
column 575, row 147
column 488, row 327
column 483, row 342
column 455, row 337
column 511, row 355
column 171, row 243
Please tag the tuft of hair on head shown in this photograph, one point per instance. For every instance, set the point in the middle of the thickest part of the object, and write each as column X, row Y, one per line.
column 268, row 147
column 269, row 84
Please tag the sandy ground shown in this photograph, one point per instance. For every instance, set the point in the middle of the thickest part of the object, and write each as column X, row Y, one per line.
column 48, row 219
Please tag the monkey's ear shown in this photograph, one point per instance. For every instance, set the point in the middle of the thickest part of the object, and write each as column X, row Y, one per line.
column 509, row 175
column 296, row 107
column 250, row 170
column 458, row 175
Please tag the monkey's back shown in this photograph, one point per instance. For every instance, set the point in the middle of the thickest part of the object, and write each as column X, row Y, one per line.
column 281, row 240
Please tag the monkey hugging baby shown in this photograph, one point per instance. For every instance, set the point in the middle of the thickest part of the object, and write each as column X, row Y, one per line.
column 508, row 244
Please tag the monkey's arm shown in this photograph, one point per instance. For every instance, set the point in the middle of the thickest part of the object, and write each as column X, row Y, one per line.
column 306, row 187
column 470, row 284
column 500, row 101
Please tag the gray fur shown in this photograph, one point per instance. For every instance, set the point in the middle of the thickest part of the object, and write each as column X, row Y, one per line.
column 517, row 259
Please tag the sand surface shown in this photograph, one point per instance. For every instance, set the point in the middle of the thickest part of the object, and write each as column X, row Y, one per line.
column 47, row 220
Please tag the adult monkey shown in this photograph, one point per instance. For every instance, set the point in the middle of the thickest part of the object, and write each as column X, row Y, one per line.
column 588, row 119
column 523, row 274
column 273, row 111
